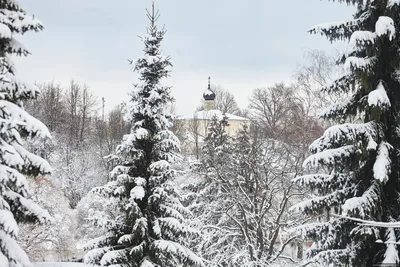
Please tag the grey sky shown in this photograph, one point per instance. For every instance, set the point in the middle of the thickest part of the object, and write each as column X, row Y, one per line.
column 240, row 44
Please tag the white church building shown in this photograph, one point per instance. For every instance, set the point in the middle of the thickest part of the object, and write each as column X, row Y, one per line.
column 197, row 125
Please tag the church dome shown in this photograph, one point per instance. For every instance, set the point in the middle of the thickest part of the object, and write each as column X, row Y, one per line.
column 209, row 94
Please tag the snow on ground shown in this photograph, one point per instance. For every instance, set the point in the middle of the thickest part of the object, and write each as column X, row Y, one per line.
column 59, row 264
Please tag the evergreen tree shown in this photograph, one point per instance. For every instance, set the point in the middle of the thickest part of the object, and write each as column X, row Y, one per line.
column 216, row 144
column 151, row 227
column 358, row 158
column 16, row 124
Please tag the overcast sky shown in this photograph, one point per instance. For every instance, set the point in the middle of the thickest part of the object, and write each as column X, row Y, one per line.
column 242, row 45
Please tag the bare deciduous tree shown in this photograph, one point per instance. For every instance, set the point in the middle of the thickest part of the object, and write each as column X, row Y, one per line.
column 49, row 106
column 242, row 201
column 273, row 108
column 80, row 103
column 225, row 101
column 72, row 100
column 320, row 72
column 56, row 238
column 282, row 115
column 86, row 111
column 109, row 133
column 69, row 113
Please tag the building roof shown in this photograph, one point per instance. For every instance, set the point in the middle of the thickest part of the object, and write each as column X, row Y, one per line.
column 210, row 114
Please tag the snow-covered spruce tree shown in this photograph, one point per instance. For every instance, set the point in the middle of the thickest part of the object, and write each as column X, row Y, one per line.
column 15, row 124
column 358, row 159
column 217, row 143
column 151, row 228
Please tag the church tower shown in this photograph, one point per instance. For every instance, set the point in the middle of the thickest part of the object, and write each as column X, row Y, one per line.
column 209, row 97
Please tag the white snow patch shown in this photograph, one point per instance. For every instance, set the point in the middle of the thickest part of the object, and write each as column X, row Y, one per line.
column 382, row 163
column 13, row 250
column 161, row 165
column 177, row 249
column 141, row 133
column 118, row 170
column 137, row 192
column 391, row 253
column 393, row 3
column 329, row 156
column 33, row 159
column 361, row 37
column 154, row 96
column 94, row 243
column 208, row 93
column 94, row 254
column 109, row 257
column 4, row 261
column 348, row 131
column 147, row 263
column 31, row 208
column 8, row 223
column 5, row 31
column 362, row 203
column 358, row 63
column 140, row 181
column 31, row 124
column 378, row 97
column 372, row 145
column 385, row 26
column 332, row 109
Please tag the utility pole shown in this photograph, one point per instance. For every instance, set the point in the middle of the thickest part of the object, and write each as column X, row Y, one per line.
column 102, row 99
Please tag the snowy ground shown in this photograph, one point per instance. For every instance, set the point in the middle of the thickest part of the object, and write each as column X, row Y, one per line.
column 58, row 264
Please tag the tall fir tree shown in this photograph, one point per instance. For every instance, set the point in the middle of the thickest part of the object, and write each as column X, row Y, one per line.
column 150, row 229
column 217, row 143
column 358, row 158
column 16, row 124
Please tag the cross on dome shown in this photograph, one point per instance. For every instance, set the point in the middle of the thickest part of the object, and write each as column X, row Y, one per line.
column 209, row 95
